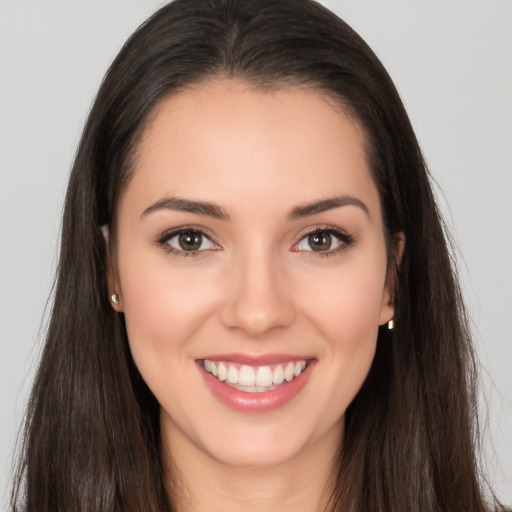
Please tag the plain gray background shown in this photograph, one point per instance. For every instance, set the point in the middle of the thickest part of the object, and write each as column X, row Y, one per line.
column 452, row 63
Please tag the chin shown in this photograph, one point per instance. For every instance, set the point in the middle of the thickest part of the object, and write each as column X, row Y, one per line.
column 257, row 455
column 270, row 445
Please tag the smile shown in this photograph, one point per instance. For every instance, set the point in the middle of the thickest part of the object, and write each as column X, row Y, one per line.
column 247, row 385
column 253, row 379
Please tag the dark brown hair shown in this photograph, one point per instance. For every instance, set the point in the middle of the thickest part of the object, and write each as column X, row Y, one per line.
column 92, row 440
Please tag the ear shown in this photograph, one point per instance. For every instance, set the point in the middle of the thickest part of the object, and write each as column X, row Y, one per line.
column 387, row 310
column 115, row 297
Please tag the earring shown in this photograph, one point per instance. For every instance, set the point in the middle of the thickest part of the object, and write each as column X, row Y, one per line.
column 114, row 298
column 391, row 325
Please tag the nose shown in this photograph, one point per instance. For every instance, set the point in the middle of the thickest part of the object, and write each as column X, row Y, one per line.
column 257, row 298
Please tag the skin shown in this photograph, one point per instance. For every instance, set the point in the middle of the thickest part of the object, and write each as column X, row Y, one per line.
column 257, row 288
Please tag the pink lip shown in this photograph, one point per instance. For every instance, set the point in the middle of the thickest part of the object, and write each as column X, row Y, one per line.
column 256, row 360
column 255, row 402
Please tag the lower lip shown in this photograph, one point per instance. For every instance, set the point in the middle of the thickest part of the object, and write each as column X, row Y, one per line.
column 265, row 401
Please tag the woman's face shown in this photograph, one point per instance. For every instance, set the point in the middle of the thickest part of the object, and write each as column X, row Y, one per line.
column 250, row 241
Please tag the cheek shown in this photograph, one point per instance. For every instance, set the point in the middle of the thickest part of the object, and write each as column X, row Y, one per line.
column 346, row 315
column 163, row 308
column 346, row 304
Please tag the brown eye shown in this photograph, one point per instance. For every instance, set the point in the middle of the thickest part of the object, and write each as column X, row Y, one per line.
column 190, row 240
column 320, row 241
column 324, row 241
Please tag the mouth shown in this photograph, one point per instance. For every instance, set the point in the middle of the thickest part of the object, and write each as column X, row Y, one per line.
column 254, row 379
column 247, row 385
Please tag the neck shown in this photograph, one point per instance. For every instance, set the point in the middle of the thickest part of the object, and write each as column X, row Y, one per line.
column 199, row 483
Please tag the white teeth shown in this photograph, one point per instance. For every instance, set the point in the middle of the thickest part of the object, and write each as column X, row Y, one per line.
column 222, row 372
column 264, row 376
column 233, row 375
column 278, row 375
column 254, row 378
column 253, row 389
column 289, row 371
column 246, row 377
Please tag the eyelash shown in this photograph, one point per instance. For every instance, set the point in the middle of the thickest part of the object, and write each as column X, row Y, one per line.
column 346, row 241
column 168, row 235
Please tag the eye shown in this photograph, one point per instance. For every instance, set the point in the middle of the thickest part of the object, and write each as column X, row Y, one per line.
column 328, row 240
column 187, row 241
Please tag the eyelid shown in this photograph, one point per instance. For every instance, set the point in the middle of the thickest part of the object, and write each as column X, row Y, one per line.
column 346, row 240
column 171, row 233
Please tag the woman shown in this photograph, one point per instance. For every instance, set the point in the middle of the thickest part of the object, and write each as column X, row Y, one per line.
column 247, row 218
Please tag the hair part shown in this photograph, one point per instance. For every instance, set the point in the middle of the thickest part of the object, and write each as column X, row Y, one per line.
column 92, row 438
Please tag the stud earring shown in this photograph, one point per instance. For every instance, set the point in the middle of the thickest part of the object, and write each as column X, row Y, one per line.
column 114, row 298
column 391, row 325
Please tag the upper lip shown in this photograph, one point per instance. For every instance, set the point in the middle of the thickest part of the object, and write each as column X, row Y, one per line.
column 256, row 360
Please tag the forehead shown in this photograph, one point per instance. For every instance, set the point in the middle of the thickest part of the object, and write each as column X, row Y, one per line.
column 225, row 141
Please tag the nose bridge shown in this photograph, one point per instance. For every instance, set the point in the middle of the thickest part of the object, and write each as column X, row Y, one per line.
column 257, row 299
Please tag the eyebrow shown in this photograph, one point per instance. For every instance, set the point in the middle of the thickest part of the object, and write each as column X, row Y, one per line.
column 187, row 205
column 217, row 212
column 326, row 204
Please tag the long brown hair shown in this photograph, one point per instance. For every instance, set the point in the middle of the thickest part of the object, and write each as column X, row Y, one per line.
column 92, row 440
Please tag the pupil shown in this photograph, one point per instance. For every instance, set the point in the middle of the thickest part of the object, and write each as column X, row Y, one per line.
column 190, row 241
column 319, row 241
